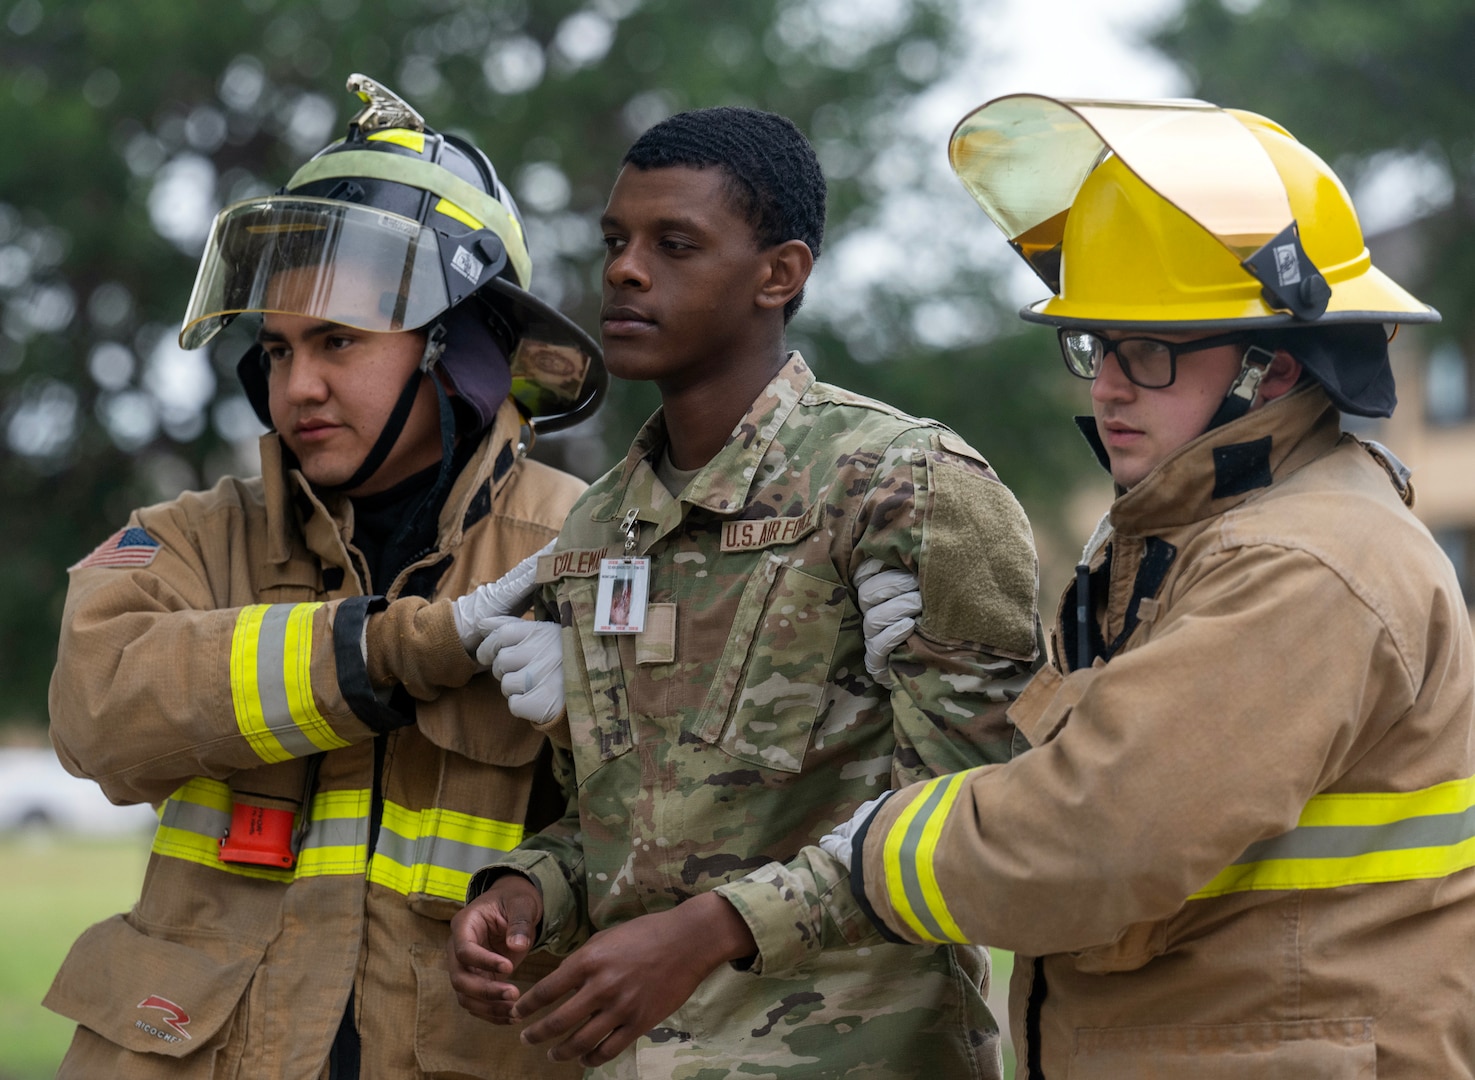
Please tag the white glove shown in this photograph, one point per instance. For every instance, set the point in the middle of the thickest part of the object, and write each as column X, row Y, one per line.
column 890, row 600
column 527, row 659
column 508, row 595
column 841, row 842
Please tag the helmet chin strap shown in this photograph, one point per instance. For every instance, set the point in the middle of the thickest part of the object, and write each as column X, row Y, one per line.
column 1246, row 385
column 395, row 424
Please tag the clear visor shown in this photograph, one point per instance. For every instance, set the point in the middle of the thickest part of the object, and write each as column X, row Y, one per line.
column 320, row 258
column 1024, row 157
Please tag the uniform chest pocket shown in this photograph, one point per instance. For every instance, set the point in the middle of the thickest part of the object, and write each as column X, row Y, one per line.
column 597, row 679
column 772, row 679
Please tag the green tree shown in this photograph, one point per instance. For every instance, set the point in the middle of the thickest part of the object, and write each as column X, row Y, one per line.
column 1382, row 91
column 132, row 123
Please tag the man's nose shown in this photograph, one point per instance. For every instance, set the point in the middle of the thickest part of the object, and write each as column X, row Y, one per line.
column 625, row 269
column 1111, row 383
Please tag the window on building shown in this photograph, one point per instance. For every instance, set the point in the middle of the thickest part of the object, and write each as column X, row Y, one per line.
column 1458, row 543
column 1447, row 385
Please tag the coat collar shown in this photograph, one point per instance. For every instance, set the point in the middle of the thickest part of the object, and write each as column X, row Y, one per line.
column 1224, row 467
column 296, row 513
column 724, row 484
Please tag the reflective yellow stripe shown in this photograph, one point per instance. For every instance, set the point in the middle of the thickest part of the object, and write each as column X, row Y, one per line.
column 336, row 815
column 435, row 851
column 191, row 823
column 245, row 693
column 1385, row 807
column 909, row 858
column 1361, row 838
column 431, row 851
column 271, row 683
column 451, row 210
column 411, row 140
column 297, row 675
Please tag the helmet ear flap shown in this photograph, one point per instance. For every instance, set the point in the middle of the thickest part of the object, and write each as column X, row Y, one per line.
column 251, row 371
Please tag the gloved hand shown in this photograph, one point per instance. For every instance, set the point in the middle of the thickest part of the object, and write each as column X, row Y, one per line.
column 527, row 659
column 841, row 842
column 890, row 600
column 508, row 595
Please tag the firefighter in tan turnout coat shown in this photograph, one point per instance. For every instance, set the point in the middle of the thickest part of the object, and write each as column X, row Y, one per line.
column 271, row 662
column 1240, row 842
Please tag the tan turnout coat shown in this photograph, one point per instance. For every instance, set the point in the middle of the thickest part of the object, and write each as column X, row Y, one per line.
column 1241, row 846
column 227, row 667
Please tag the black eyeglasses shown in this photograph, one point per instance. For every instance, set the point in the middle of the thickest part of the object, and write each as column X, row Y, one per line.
column 1148, row 362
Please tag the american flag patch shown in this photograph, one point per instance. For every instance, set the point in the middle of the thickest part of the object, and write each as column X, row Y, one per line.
column 126, row 547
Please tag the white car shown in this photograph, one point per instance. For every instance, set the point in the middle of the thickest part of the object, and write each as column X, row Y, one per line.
column 36, row 792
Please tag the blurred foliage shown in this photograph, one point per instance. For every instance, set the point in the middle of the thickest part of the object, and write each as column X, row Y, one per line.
column 1374, row 88
column 133, row 123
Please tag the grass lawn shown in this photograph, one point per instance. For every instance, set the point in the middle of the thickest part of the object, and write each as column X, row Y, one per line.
column 52, row 887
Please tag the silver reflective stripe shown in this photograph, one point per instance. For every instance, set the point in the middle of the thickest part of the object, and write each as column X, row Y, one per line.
column 432, row 850
column 1346, row 841
column 192, row 817
column 271, row 682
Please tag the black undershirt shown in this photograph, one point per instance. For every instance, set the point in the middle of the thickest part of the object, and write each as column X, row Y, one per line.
column 391, row 529
column 396, row 527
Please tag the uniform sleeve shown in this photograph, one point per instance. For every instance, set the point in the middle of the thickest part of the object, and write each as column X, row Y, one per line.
column 553, row 857
column 1148, row 783
column 936, row 510
column 159, row 678
column 554, row 860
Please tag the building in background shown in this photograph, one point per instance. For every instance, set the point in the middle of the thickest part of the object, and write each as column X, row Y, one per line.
column 1433, row 429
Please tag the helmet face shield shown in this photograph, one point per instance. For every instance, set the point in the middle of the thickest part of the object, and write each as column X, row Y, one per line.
column 319, row 258
column 1171, row 213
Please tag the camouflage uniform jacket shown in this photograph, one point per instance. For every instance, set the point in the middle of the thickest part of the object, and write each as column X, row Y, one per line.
column 741, row 724
column 211, row 657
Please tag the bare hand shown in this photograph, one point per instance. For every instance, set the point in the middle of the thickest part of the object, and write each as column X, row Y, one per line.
column 627, row 979
column 489, row 938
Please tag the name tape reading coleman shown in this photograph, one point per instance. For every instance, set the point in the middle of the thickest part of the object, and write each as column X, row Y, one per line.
column 575, row 562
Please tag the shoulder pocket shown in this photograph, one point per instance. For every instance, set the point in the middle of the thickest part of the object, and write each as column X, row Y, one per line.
column 770, row 683
column 153, row 995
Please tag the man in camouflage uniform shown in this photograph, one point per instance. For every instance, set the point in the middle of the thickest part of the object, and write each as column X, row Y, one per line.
column 742, row 722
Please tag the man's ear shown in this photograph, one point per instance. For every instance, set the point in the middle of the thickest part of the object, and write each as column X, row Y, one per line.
column 1282, row 374
column 789, row 265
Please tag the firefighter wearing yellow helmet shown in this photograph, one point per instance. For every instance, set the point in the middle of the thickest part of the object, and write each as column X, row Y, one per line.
column 1240, row 841
column 285, row 665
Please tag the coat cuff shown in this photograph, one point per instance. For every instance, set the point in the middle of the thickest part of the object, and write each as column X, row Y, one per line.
column 556, row 931
column 766, row 901
column 868, row 869
column 414, row 643
column 379, row 712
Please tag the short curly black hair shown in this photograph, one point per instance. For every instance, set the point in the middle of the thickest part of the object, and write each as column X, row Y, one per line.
column 773, row 174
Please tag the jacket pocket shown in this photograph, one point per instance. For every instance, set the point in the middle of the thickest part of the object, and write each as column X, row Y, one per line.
column 1046, row 703
column 156, row 995
column 771, row 681
column 593, row 674
column 450, row 1042
column 1138, row 944
column 1341, row 1049
column 473, row 721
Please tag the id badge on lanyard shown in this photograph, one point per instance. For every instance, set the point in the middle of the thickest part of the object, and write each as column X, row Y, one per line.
column 624, row 585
